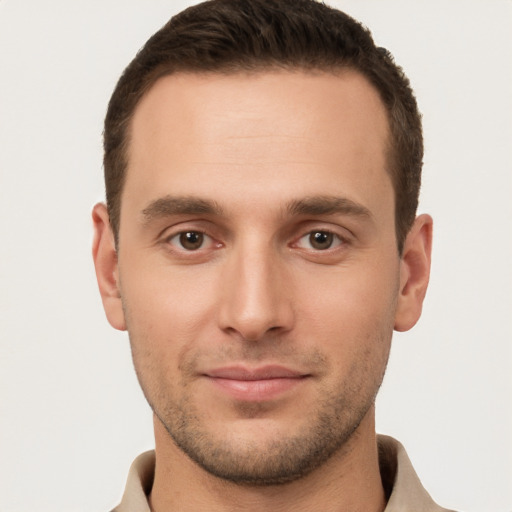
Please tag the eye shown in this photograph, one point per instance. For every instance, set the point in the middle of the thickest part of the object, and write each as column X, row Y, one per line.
column 190, row 240
column 319, row 240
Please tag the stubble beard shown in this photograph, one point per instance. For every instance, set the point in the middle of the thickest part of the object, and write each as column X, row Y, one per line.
column 326, row 431
column 275, row 462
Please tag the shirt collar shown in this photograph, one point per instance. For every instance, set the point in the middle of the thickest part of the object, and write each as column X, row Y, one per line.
column 402, row 485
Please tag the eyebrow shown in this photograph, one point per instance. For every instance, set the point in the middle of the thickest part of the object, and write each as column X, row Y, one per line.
column 316, row 205
column 328, row 205
column 172, row 205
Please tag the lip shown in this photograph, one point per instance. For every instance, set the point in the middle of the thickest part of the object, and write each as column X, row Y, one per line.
column 255, row 384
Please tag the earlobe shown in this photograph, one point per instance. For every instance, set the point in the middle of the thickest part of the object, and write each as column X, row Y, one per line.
column 414, row 273
column 105, row 262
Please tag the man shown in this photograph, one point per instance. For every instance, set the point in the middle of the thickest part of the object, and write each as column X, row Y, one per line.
column 260, row 244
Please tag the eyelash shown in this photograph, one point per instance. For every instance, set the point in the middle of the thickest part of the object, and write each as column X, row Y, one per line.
column 178, row 237
column 334, row 238
column 177, row 241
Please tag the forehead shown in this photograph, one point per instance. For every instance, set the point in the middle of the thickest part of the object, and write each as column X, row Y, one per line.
column 282, row 130
column 283, row 102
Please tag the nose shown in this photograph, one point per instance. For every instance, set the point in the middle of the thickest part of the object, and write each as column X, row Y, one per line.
column 256, row 297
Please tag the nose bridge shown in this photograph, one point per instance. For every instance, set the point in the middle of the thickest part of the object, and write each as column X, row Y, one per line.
column 255, row 296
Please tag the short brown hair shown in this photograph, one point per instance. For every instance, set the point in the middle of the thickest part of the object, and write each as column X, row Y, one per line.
column 229, row 36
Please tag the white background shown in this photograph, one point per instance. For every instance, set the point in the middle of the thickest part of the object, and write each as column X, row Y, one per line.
column 71, row 414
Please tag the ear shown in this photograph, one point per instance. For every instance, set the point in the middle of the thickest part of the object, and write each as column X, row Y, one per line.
column 414, row 273
column 107, row 273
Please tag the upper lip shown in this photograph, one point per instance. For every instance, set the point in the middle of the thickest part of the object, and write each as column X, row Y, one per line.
column 260, row 373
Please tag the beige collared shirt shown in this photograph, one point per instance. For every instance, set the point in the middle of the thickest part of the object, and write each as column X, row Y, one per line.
column 406, row 494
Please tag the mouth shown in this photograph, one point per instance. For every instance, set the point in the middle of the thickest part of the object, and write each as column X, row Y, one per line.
column 255, row 384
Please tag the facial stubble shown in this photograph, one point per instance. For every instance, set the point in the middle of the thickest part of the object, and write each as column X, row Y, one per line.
column 325, row 431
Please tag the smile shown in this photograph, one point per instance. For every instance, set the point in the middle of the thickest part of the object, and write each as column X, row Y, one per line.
column 255, row 385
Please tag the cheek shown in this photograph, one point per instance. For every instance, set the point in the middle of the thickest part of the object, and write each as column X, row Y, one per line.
column 350, row 294
column 167, row 299
column 167, row 311
column 352, row 311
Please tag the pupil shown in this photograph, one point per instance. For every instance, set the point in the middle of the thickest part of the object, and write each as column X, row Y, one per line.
column 191, row 240
column 321, row 240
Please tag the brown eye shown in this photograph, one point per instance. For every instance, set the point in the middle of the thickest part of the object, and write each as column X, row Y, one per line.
column 191, row 240
column 321, row 240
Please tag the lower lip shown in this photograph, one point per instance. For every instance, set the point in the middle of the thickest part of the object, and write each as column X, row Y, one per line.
column 257, row 390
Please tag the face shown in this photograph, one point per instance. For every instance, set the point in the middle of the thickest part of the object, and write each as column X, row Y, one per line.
column 257, row 267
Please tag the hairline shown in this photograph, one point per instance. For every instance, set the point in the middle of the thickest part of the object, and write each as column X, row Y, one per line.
column 258, row 68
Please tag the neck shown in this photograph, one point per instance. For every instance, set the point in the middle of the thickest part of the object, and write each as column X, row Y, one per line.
column 350, row 480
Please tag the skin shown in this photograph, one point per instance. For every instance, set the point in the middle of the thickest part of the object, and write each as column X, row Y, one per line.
column 253, row 179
